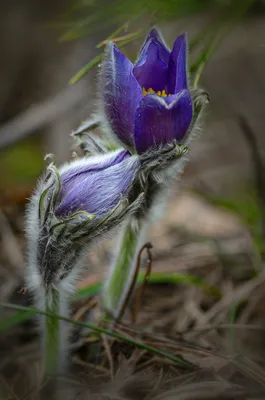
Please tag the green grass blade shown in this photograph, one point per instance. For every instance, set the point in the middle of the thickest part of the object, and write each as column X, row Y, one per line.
column 96, row 60
column 16, row 319
column 114, row 34
column 92, row 290
column 83, row 71
column 160, row 277
column 176, row 360
column 184, row 279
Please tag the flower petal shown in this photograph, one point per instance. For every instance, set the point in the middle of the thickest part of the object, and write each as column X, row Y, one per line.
column 120, row 93
column 95, row 187
column 150, row 70
column 77, row 168
column 156, row 36
column 157, row 122
column 177, row 68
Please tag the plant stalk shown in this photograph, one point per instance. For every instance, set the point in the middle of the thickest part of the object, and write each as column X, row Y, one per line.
column 120, row 279
column 52, row 345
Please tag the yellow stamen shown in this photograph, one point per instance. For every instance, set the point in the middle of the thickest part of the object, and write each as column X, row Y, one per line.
column 148, row 91
column 151, row 91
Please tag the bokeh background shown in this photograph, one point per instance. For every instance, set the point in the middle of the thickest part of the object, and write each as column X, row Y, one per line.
column 214, row 223
column 44, row 45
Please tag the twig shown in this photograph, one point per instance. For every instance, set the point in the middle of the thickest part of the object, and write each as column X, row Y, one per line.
column 250, row 369
column 86, row 364
column 39, row 387
column 227, row 301
column 258, row 167
column 89, row 305
column 143, row 285
column 8, row 388
column 120, row 38
column 109, row 355
column 132, row 286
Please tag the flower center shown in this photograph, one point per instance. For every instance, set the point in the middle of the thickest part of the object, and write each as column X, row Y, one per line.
column 161, row 93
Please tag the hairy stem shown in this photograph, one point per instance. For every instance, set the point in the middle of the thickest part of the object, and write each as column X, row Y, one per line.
column 52, row 345
column 119, row 282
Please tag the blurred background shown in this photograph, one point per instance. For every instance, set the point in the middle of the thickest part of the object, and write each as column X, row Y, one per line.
column 214, row 224
column 45, row 44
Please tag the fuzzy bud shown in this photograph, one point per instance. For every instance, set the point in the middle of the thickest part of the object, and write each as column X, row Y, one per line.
column 72, row 206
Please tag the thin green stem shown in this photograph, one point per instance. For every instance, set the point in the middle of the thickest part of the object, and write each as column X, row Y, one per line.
column 120, row 279
column 97, row 59
column 179, row 361
column 52, row 356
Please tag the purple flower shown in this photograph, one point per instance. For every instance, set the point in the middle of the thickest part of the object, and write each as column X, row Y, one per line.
column 148, row 104
column 95, row 185
column 72, row 206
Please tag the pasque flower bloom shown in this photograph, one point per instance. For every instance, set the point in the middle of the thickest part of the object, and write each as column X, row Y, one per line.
column 95, row 185
column 74, row 205
column 147, row 104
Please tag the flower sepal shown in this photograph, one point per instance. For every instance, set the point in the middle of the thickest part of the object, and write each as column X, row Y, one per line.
column 163, row 157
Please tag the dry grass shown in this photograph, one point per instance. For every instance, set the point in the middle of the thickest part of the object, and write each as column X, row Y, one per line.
column 221, row 339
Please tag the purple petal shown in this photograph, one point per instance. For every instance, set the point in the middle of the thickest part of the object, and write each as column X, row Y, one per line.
column 155, row 35
column 98, row 164
column 150, row 70
column 177, row 68
column 120, row 93
column 95, row 190
column 157, row 122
